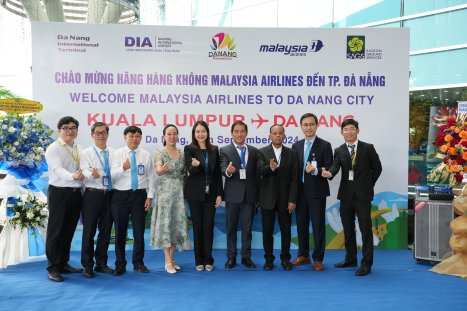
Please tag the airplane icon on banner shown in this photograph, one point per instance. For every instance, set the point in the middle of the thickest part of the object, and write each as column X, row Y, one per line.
column 260, row 120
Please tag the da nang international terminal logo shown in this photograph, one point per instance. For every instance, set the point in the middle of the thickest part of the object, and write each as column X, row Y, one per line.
column 223, row 47
column 356, row 47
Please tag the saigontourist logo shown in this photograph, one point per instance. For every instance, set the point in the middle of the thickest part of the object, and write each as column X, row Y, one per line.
column 223, row 47
column 292, row 49
column 355, row 47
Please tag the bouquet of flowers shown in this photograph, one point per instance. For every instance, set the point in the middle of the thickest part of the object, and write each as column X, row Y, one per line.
column 27, row 213
column 23, row 140
column 451, row 146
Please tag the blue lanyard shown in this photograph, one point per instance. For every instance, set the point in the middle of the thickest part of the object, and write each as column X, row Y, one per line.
column 104, row 167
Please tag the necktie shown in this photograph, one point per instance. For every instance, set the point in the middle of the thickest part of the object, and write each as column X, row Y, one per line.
column 352, row 154
column 305, row 158
column 105, row 154
column 134, row 175
column 242, row 155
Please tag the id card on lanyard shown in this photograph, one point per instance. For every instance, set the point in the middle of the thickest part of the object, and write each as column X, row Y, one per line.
column 105, row 168
column 242, row 170
column 141, row 169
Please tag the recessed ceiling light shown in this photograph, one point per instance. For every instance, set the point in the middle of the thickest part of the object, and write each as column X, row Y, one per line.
column 446, row 91
column 422, row 95
column 435, row 97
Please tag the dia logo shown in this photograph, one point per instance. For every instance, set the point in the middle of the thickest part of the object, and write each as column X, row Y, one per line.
column 138, row 42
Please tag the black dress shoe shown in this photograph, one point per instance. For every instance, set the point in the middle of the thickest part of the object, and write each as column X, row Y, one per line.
column 268, row 265
column 248, row 263
column 55, row 276
column 88, row 273
column 345, row 264
column 287, row 265
column 119, row 271
column 363, row 270
column 141, row 268
column 230, row 263
column 69, row 269
column 104, row 269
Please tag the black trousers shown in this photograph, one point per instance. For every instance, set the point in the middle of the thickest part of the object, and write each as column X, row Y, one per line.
column 64, row 207
column 268, row 221
column 314, row 210
column 234, row 212
column 362, row 209
column 128, row 205
column 95, row 213
column 202, row 216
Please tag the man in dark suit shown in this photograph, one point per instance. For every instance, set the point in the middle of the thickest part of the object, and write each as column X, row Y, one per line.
column 277, row 166
column 361, row 169
column 238, row 165
column 314, row 153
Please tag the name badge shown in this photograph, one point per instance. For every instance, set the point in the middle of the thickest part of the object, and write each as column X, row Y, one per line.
column 140, row 169
column 105, row 180
column 242, row 173
column 351, row 175
column 206, row 189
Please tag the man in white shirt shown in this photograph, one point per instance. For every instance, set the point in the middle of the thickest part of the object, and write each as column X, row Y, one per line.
column 95, row 211
column 134, row 185
column 64, row 197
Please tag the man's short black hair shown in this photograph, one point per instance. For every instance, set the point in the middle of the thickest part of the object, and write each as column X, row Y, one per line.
column 239, row 123
column 93, row 127
column 66, row 120
column 349, row 122
column 309, row 115
column 270, row 129
column 133, row 130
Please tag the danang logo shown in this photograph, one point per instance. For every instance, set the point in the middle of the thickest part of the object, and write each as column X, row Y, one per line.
column 292, row 49
column 356, row 47
column 223, row 47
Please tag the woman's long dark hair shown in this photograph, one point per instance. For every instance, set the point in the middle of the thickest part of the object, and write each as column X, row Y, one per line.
column 194, row 141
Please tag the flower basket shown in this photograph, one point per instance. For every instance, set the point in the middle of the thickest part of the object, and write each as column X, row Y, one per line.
column 451, row 147
column 27, row 213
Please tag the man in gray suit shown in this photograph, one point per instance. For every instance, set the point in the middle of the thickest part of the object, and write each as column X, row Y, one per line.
column 278, row 168
column 238, row 165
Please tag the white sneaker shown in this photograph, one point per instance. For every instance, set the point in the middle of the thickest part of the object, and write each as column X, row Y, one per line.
column 209, row 268
column 170, row 269
column 199, row 268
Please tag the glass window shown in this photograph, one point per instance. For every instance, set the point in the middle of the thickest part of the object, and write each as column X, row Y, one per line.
column 177, row 12
column 442, row 68
column 353, row 13
column 261, row 15
column 388, row 25
column 420, row 6
column 304, row 13
column 221, row 20
column 438, row 30
column 211, row 10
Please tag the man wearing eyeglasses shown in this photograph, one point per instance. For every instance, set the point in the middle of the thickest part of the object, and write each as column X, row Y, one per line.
column 95, row 162
column 64, row 197
column 361, row 169
column 314, row 153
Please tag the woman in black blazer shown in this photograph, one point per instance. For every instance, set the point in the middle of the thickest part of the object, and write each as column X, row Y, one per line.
column 203, row 190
